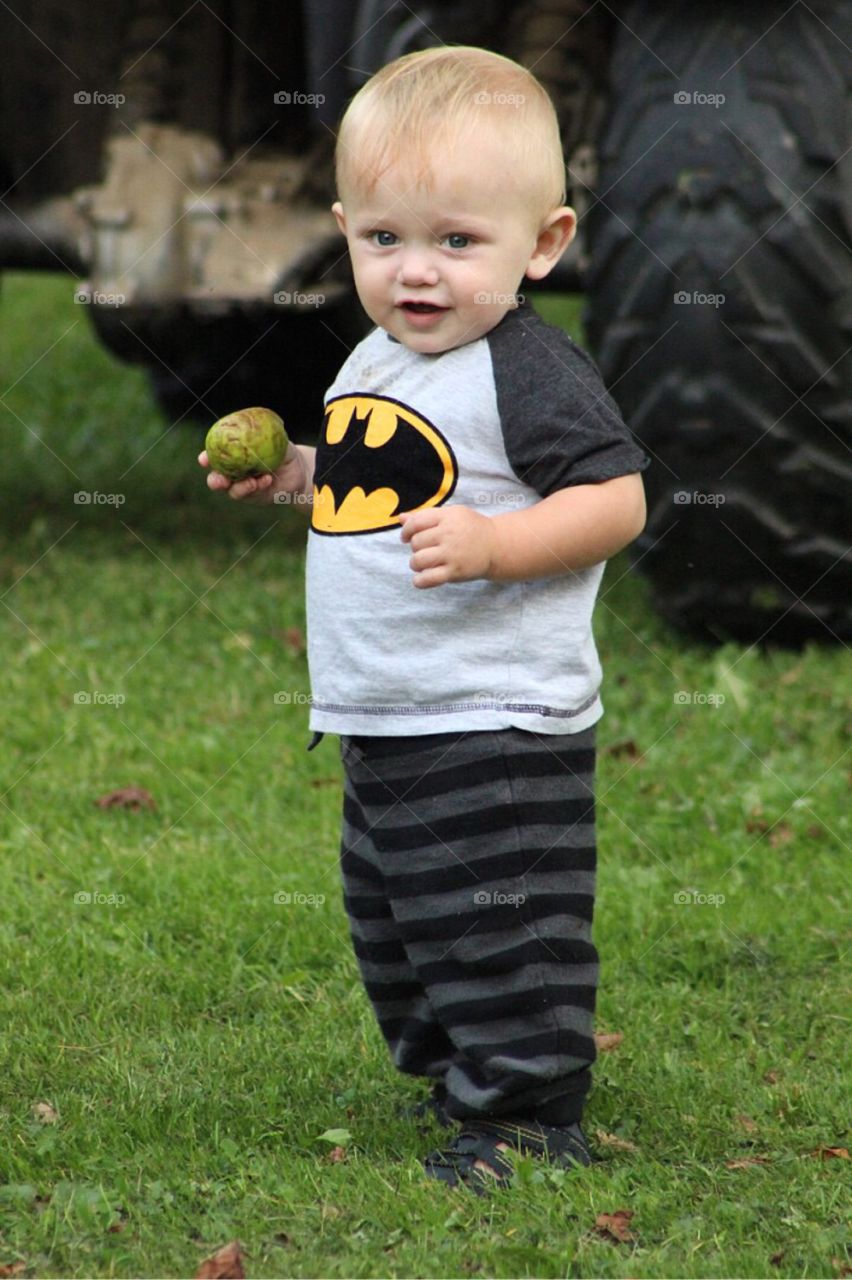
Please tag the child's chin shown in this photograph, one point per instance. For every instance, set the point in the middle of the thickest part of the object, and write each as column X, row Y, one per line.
column 428, row 344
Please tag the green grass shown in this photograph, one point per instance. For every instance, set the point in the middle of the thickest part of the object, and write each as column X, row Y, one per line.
column 196, row 1039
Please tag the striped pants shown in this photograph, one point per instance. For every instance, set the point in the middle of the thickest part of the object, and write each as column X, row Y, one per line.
column 468, row 864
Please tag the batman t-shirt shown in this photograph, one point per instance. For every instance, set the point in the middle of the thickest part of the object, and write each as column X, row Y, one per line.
column 496, row 425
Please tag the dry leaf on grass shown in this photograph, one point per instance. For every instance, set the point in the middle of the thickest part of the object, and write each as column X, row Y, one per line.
column 608, row 1040
column 45, row 1113
column 830, row 1153
column 337, row 1154
column 225, row 1264
column 627, row 747
column 615, row 1226
column 126, row 798
column 841, row 1266
column 12, row 1268
column 747, row 1161
column 612, row 1140
column 293, row 639
column 746, row 1122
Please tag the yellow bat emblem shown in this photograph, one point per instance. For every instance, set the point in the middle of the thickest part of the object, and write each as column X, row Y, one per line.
column 376, row 458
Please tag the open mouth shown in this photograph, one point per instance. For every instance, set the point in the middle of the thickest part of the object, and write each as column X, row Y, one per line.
column 421, row 308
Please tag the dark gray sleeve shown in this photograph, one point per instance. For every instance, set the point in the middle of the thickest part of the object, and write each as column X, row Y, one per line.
column 560, row 426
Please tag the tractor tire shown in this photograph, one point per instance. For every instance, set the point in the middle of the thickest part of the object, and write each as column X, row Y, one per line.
column 201, row 368
column 720, row 309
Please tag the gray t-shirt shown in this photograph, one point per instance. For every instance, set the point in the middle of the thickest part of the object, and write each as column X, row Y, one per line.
column 495, row 425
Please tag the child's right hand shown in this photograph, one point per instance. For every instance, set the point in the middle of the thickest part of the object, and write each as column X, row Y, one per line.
column 290, row 477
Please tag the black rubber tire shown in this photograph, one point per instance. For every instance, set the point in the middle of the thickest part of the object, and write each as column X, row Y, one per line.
column 745, row 404
column 202, row 368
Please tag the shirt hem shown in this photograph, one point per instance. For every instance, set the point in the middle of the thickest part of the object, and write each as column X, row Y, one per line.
column 413, row 721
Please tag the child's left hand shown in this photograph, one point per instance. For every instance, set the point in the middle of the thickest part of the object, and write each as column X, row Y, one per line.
column 450, row 544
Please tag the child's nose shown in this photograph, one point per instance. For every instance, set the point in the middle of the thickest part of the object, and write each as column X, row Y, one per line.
column 417, row 267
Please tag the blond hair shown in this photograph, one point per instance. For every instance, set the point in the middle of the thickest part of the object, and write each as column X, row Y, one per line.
column 427, row 103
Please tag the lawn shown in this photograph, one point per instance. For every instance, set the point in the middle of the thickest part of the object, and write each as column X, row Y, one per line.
column 188, row 1058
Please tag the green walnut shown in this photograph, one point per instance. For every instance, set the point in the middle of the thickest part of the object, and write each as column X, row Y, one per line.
column 246, row 443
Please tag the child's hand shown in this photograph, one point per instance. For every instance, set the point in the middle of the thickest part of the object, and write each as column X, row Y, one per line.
column 450, row 544
column 290, row 478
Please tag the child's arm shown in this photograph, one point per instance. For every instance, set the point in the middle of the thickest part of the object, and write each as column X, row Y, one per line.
column 294, row 477
column 567, row 531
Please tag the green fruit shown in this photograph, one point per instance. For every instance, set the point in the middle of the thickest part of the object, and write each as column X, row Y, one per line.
column 246, row 443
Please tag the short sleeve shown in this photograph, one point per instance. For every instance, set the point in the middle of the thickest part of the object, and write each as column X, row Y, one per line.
column 560, row 425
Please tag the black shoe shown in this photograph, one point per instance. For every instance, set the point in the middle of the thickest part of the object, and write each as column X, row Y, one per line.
column 562, row 1145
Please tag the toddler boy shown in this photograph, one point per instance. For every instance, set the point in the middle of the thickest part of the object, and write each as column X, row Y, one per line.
column 472, row 477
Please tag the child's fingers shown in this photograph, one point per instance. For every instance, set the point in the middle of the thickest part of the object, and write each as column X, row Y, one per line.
column 251, row 484
column 203, row 459
column 236, row 489
column 413, row 521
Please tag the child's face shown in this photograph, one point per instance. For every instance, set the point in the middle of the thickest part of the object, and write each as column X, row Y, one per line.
column 459, row 248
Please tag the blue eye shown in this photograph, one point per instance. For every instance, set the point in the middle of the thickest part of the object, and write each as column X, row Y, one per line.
column 384, row 238
column 458, row 241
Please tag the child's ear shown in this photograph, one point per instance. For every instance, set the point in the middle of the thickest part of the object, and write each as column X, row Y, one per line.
column 337, row 210
column 554, row 237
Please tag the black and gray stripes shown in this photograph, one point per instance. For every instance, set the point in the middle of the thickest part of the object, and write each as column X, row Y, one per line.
column 468, row 865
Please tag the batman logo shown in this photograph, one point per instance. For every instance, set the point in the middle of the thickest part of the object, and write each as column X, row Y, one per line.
column 376, row 458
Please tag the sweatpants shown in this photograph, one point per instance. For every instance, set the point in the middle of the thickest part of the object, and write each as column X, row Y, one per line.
column 468, row 865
